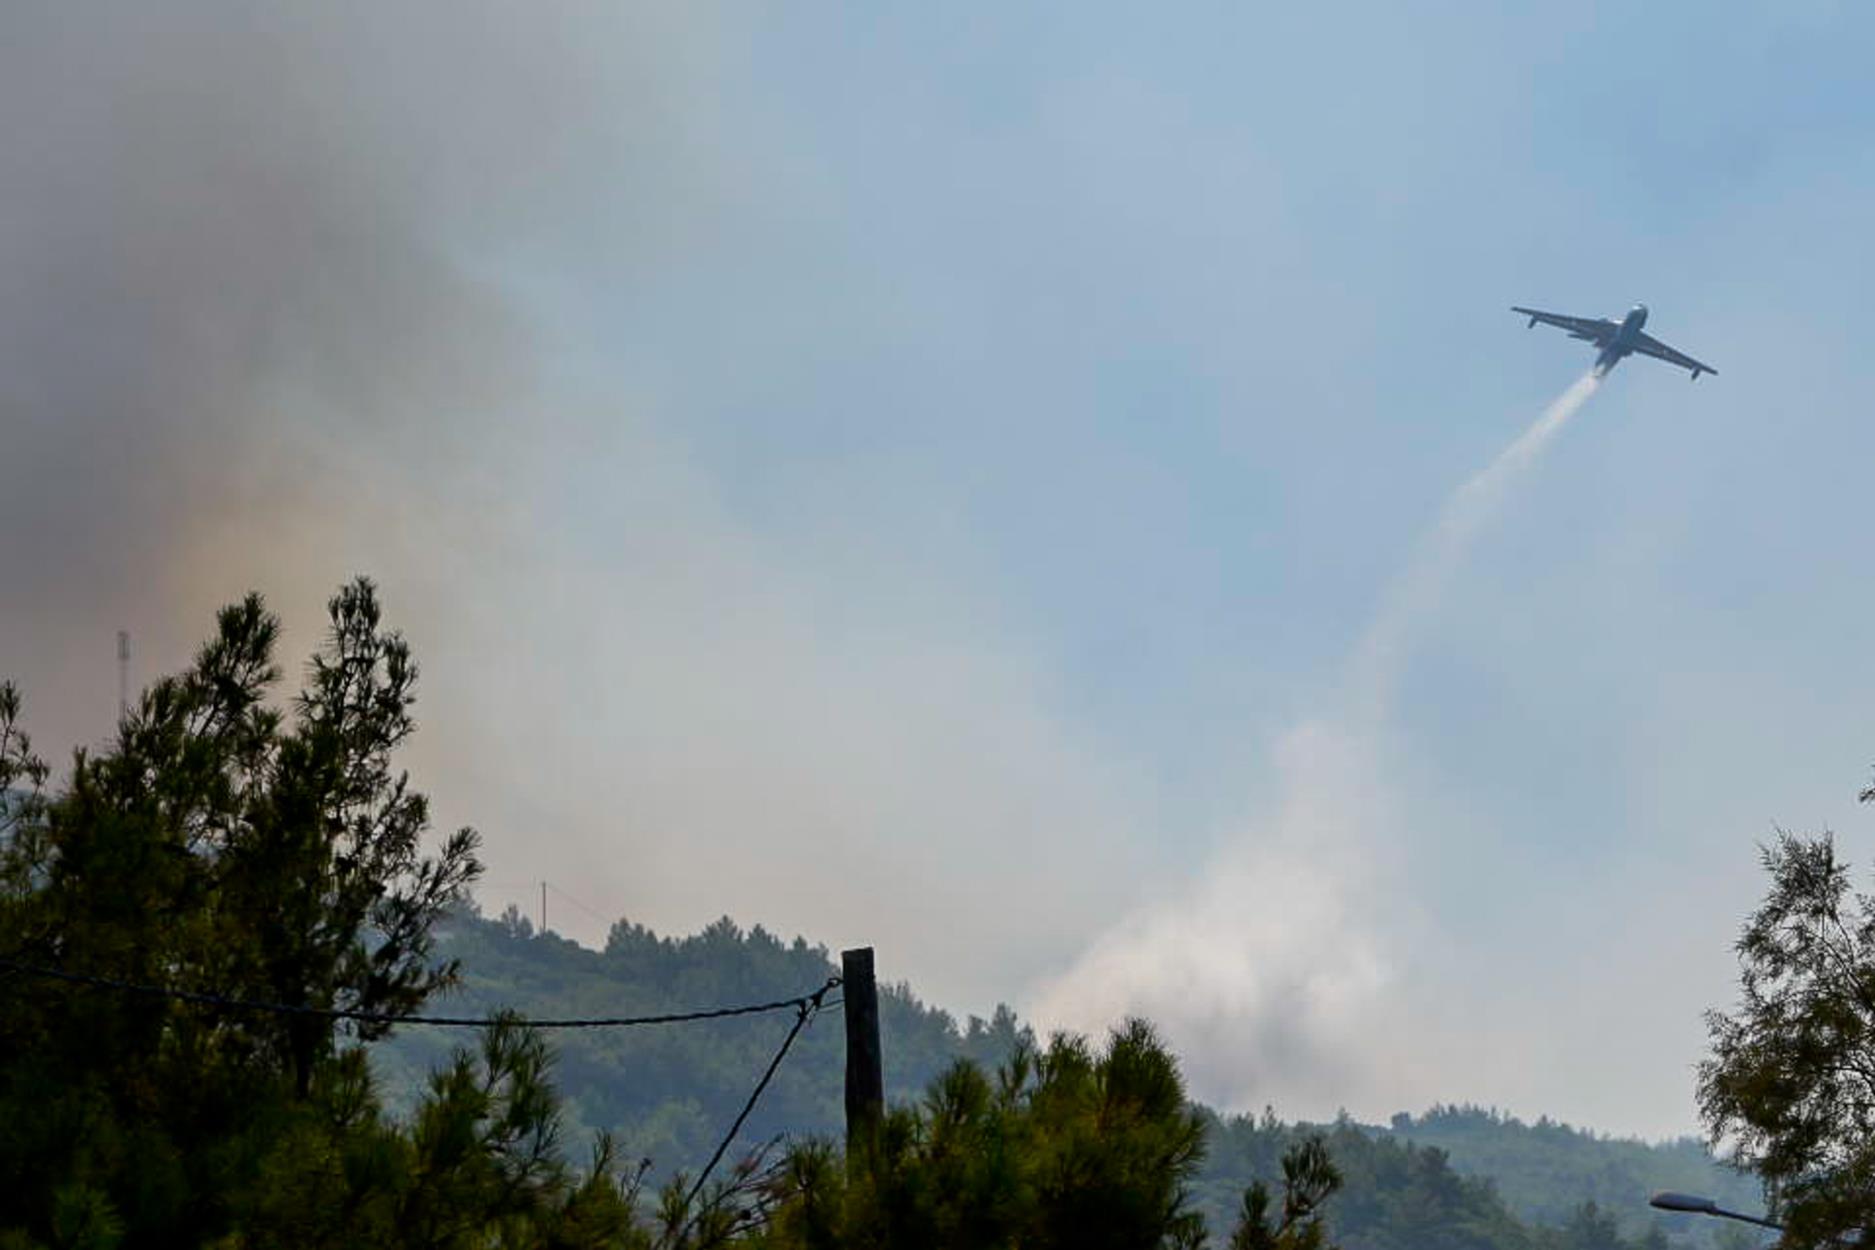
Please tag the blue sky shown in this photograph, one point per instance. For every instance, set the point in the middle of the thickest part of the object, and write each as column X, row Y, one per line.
column 919, row 477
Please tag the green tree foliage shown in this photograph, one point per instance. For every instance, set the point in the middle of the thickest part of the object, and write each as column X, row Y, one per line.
column 1590, row 1228
column 1396, row 1194
column 478, row 1166
column 223, row 846
column 1492, row 1181
column 1791, row 1077
column 1065, row 1147
column 1390, row 1194
column 223, row 853
column 227, row 847
column 1545, row 1170
column 669, row 1094
column 1310, row 1178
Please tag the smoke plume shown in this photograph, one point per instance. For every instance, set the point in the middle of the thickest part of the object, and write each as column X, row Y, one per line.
column 240, row 345
column 285, row 300
column 1276, row 969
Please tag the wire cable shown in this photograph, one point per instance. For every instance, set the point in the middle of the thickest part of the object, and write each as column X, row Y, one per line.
column 594, row 912
column 799, row 1003
column 808, row 1007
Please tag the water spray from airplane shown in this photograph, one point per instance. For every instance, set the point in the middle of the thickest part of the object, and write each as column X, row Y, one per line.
column 1422, row 583
column 1275, row 968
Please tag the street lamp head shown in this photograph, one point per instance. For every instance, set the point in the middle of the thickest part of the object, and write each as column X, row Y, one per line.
column 1667, row 1200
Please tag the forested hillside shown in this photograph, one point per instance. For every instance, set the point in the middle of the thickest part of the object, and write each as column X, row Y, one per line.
column 1544, row 1170
column 1501, row 1184
column 1455, row 1177
column 668, row 1092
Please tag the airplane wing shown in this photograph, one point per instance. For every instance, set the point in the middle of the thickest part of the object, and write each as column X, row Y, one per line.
column 1647, row 345
column 1597, row 330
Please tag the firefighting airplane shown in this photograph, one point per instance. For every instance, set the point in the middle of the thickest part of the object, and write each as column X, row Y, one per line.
column 1617, row 339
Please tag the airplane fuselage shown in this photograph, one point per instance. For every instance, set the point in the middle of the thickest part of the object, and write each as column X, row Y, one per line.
column 1615, row 340
column 1623, row 342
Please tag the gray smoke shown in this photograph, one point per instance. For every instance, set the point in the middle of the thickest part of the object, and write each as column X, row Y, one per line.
column 286, row 292
column 240, row 343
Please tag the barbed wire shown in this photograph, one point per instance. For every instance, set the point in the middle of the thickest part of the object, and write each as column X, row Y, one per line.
column 800, row 1003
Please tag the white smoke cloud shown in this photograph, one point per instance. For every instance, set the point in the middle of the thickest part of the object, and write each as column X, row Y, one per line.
column 1265, row 971
column 1284, row 972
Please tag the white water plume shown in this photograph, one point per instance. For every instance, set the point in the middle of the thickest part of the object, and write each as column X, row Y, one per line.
column 1374, row 669
column 1275, row 974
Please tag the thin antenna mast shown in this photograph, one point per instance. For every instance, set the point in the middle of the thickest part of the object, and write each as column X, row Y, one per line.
column 123, row 673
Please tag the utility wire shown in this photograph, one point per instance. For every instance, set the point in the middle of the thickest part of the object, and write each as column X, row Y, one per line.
column 594, row 912
column 801, row 1003
column 804, row 1012
column 806, row 1006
